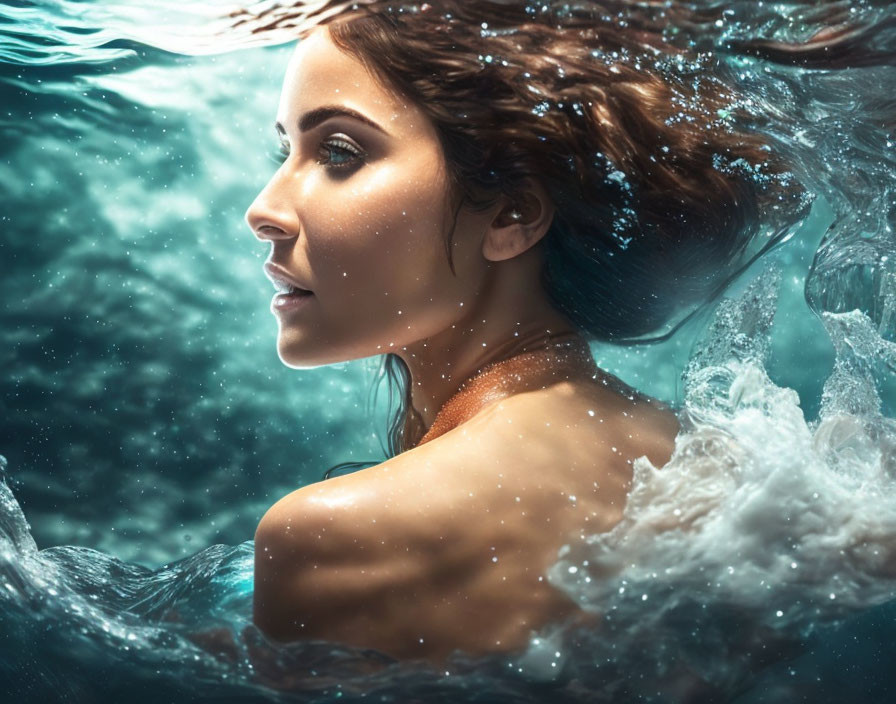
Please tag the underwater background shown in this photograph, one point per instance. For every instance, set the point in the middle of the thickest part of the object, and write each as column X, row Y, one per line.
column 147, row 424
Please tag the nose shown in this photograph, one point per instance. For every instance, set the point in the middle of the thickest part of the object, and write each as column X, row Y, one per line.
column 272, row 216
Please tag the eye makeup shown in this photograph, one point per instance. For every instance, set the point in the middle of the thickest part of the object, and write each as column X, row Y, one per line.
column 336, row 145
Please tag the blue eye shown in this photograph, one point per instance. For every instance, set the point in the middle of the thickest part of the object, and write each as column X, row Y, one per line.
column 346, row 156
column 336, row 155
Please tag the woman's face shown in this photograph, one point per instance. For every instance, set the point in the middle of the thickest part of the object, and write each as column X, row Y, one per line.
column 357, row 214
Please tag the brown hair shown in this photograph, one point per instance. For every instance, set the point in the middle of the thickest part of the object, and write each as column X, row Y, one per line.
column 658, row 191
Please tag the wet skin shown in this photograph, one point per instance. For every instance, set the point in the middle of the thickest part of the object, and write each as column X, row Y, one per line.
column 445, row 546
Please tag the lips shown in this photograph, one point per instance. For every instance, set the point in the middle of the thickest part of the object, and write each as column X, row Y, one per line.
column 283, row 281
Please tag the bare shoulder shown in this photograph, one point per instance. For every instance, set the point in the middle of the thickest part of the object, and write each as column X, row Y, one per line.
column 326, row 550
column 447, row 545
column 416, row 557
column 382, row 558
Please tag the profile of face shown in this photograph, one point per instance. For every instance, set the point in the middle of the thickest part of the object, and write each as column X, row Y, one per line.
column 357, row 215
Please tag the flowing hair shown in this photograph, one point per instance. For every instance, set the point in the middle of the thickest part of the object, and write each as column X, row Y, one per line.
column 665, row 190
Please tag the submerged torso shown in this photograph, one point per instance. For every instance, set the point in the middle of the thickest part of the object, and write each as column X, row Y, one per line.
column 448, row 545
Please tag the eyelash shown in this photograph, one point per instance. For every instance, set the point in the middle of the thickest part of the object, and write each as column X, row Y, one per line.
column 333, row 145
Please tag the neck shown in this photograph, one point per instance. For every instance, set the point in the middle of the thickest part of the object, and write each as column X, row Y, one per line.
column 566, row 358
column 440, row 365
column 509, row 315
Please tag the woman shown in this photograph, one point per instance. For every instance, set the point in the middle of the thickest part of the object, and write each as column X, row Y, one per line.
column 478, row 203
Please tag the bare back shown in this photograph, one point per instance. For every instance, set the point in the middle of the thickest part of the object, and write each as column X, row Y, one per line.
column 447, row 545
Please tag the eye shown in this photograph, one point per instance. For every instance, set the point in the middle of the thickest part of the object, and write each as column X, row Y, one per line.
column 342, row 155
column 336, row 154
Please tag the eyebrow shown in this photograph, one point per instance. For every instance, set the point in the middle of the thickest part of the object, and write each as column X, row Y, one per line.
column 313, row 118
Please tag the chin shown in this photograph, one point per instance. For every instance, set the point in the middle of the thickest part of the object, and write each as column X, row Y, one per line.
column 311, row 354
column 297, row 359
column 304, row 350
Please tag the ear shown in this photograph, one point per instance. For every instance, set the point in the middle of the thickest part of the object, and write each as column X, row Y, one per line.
column 519, row 224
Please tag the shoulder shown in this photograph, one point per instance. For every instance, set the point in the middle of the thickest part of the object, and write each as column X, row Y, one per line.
column 355, row 511
column 351, row 558
column 325, row 539
column 447, row 544
column 414, row 557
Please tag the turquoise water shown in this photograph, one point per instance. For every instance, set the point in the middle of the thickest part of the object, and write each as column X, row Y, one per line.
column 145, row 418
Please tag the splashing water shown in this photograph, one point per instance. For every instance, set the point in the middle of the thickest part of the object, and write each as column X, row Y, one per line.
column 760, row 522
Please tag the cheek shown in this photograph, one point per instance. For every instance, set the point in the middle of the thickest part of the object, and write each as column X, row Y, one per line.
column 384, row 245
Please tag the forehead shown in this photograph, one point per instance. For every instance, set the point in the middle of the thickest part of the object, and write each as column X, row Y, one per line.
column 319, row 73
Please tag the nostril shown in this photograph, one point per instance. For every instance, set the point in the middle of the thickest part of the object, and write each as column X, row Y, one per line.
column 269, row 232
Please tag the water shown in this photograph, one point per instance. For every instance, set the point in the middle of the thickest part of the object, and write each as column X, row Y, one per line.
column 146, row 419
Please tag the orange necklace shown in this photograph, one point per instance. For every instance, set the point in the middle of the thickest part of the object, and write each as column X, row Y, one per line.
column 563, row 357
